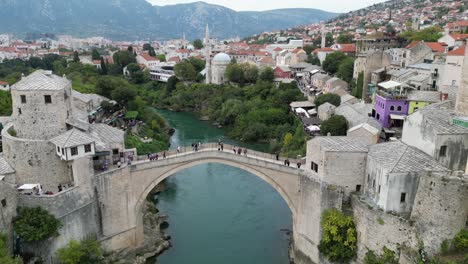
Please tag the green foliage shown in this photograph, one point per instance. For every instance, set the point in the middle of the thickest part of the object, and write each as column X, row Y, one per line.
column 309, row 48
column 5, row 103
column 87, row 251
column 333, row 99
column 76, row 58
column 184, row 70
column 380, row 221
column 242, row 73
column 431, row 34
column 338, row 242
column 161, row 57
column 444, row 247
column 461, row 240
column 5, row 257
column 336, row 125
column 357, row 90
column 345, row 39
column 313, row 59
column 333, row 61
column 123, row 58
column 103, row 67
column 35, row 224
column 95, row 55
column 198, row 44
column 133, row 141
column 346, row 69
column 388, row 257
column 198, row 64
column 267, row 75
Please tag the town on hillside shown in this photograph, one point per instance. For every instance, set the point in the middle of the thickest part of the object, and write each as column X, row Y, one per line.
column 363, row 120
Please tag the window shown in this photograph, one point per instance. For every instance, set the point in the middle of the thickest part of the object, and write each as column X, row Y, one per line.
column 403, row 197
column 378, row 117
column 443, row 151
column 399, row 108
column 19, row 111
column 23, row 99
column 74, row 151
column 115, row 151
column 314, row 166
column 373, row 183
column 87, row 148
column 368, row 177
column 4, row 203
column 379, row 189
column 58, row 149
column 358, row 188
column 63, row 151
column 47, row 99
column 415, row 109
column 392, row 108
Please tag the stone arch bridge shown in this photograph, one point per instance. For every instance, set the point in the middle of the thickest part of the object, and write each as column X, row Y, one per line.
column 122, row 192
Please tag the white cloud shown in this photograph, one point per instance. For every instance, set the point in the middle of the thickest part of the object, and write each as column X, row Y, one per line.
column 338, row 6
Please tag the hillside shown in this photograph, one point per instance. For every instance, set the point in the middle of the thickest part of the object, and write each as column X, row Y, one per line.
column 137, row 19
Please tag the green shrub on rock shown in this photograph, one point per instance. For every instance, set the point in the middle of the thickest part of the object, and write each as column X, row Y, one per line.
column 35, row 224
column 339, row 236
column 461, row 240
column 87, row 251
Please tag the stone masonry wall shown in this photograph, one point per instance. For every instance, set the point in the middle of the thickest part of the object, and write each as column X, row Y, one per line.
column 8, row 203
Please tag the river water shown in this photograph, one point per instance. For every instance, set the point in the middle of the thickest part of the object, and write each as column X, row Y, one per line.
column 220, row 214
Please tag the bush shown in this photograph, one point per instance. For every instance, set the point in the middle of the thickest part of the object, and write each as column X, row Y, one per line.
column 444, row 247
column 336, row 125
column 333, row 99
column 35, row 224
column 87, row 251
column 461, row 240
column 388, row 257
column 339, row 236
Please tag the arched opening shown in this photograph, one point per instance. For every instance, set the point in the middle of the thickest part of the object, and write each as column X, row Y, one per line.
column 228, row 219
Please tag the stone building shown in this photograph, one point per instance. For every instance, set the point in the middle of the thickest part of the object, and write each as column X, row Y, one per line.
column 368, row 62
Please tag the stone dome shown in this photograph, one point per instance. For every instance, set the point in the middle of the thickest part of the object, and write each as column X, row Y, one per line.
column 222, row 58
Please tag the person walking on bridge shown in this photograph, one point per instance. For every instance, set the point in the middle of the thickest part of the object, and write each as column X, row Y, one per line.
column 234, row 149
column 178, row 149
column 164, row 154
column 245, row 152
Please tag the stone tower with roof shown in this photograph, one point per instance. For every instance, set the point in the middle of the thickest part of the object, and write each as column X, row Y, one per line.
column 41, row 105
column 462, row 96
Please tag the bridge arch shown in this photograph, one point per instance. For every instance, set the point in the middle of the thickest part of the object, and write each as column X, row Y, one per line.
column 122, row 192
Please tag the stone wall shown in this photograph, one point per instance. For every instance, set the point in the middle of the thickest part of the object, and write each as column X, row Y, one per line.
column 377, row 229
column 441, row 209
column 35, row 161
column 8, row 203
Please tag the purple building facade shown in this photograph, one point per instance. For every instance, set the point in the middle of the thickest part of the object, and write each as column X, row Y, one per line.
column 387, row 106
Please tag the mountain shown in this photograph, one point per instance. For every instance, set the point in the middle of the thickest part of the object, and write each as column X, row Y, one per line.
column 137, row 19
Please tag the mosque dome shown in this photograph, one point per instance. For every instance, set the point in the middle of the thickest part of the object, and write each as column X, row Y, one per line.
column 222, row 58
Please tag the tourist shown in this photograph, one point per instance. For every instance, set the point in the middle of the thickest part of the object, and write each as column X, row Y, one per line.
column 178, row 149
column 164, row 154
column 119, row 164
column 239, row 151
column 277, row 156
column 157, row 156
column 299, row 165
column 234, row 149
column 245, row 152
column 222, row 147
column 60, row 187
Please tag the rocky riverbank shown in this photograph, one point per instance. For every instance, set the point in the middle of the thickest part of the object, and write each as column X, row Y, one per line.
column 156, row 241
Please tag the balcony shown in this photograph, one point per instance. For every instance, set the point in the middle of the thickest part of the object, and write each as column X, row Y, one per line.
column 391, row 96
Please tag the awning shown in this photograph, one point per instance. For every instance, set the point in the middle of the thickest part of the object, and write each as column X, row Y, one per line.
column 397, row 117
column 313, row 128
column 29, row 186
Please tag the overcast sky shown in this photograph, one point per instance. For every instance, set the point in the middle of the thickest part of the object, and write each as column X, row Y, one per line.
column 339, row 6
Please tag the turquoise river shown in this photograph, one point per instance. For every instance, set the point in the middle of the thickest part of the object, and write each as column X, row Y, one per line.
column 220, row 214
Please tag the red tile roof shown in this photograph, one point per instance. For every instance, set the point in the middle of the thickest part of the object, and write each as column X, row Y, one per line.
column 3, row 83
column 434, row 46
column 327, row 49
column 460, row 51
column 147, row 57
column 176, row 59
column 348, row 48
column 278, row 49
column 182, row 51
column 459, row 36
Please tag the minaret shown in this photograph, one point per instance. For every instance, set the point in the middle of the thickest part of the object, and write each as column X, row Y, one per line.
column 207, row 55
column 461, row 107
column 324, row 38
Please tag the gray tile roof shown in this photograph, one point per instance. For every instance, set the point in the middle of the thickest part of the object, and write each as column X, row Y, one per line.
column 105, row 135
column 398, row 157
column 5, row 168
column 438, row 116
column 424, row 96
column 348, row 144
column 41, row 80
column 301, row 65
column 72, row 138
column 357, row 114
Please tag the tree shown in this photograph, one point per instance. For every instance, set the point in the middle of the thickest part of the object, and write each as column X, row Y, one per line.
column 250, row 72
column 309, row 48
column 161, row 57
column 76, row 58
column 235, row 73
column 431, row 34
column 123, row 58
column 336, row 125
column 171, row 84
column 87, row 251
column 130, row 49
column 198, row 64
column 313, row 59
column 357, row 90
column 344, row 39
column 388, row 257
column 95, row 55
column 198, row 44
column 5, row 257
column 332, row 62
column 339, row 236
column 267, row 74
column 35, row 224
column 123, row 94
column 184, row 70
column 146, row 47
column 103, row 67
column 346, row 70
column 333, row 99
column 106, row 84
column 5, row 103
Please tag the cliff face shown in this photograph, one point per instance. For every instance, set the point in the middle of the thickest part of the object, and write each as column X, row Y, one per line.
column 137, row 19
